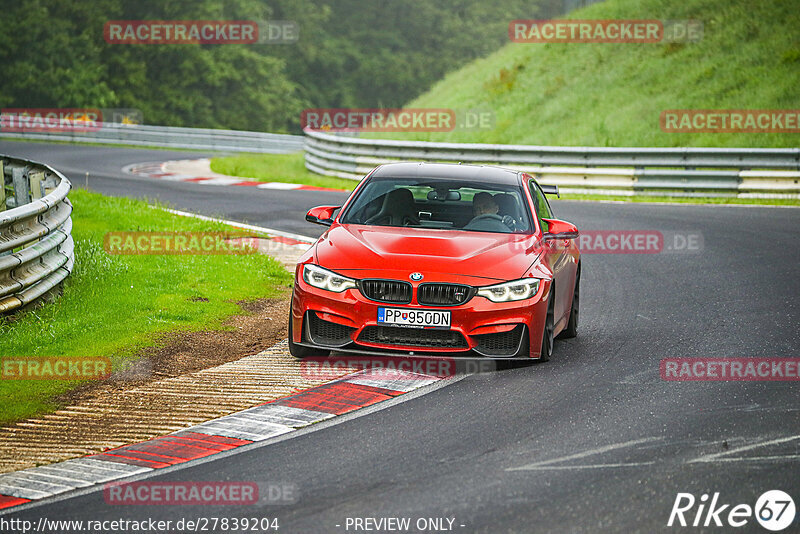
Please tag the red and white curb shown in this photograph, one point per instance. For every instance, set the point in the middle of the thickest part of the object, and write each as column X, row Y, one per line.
column 358, row 390
column 160, row 170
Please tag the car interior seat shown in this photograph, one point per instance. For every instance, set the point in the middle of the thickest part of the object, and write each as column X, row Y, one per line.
column 398, row 209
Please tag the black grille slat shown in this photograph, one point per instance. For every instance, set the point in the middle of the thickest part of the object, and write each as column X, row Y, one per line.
column 433, row 294
column 413, row 337
column 386, row 291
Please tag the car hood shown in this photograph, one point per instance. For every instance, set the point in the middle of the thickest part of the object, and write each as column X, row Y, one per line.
column 352, row 249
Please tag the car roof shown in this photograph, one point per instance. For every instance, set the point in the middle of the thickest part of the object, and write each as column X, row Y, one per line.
column 448, row 171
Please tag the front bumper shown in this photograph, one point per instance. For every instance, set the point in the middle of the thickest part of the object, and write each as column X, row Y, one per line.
column 347, row 321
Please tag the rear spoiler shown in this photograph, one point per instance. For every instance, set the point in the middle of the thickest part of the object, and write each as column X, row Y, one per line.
column 550, row 190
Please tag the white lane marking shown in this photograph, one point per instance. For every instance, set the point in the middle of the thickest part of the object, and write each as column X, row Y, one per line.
column 217, row 181
column 589, row 466
column 715, row 456
column 176, row 178
column 759, row 458
column 584, row 454
column 278, row 185
column 244, row 226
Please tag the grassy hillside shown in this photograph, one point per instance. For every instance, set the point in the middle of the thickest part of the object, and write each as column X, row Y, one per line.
column 613, row 94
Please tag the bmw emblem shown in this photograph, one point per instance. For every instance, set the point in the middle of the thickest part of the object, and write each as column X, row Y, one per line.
column 416, row 277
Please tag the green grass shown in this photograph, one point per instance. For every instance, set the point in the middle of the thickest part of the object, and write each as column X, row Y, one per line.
column 114, row 305
column 684, row 200
column 285, row 168
column 612, row 94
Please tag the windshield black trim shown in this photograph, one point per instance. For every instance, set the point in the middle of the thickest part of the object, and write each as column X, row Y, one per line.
column 425, row 181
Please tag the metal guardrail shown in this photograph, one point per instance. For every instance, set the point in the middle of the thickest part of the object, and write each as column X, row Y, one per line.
column 171, row 137
column 756, row 172
column 36, row 247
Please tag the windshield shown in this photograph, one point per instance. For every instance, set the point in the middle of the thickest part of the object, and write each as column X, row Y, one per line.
column 447, row 205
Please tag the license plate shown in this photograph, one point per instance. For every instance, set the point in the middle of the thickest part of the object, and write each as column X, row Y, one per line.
column 414, row 318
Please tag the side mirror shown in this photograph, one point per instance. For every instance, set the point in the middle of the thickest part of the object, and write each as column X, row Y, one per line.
column 557, row 229
column 321, row 215
column 550, row 190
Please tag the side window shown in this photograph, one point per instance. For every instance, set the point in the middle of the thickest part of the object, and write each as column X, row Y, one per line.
column 540, row 204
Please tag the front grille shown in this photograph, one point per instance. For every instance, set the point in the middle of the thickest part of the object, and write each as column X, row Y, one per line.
column 413, row 337
column 499, row 344
column 386, row 290
column 327, row 333
column 444, row 294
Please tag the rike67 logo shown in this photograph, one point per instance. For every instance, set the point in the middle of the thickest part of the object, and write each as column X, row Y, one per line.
column 774, row 510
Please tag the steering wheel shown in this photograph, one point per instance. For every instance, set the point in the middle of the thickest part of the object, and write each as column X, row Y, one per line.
column 380, row 219
column 487, row 217
column 507, row 220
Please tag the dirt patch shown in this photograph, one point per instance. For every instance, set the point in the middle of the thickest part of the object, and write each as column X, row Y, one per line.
column 262, row 323
column 189, row 378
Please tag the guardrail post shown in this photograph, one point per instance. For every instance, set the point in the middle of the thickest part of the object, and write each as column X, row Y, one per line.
column 2, row 187
column 22, row 192
column 35, row 180
column 3, row 197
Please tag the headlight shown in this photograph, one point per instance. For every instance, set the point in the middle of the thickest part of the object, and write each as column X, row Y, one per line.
column 511, row 291
column 324, row 279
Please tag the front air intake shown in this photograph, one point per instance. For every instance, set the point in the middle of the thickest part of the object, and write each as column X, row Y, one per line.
column 391, row 291
column 444, row 294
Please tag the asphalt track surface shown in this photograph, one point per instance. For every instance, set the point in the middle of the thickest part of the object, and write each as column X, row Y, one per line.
column 593, row 441
column 282, row 210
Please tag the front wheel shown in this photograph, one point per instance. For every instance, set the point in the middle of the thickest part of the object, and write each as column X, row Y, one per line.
column 572, row 326
column 299, row 351
column 547, row 335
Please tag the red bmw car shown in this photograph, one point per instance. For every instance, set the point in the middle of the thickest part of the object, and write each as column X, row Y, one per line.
column 439, row 260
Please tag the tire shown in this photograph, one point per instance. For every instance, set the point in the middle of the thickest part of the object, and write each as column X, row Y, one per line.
column 547, row 335
column 299, row 351
column 572, row 326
